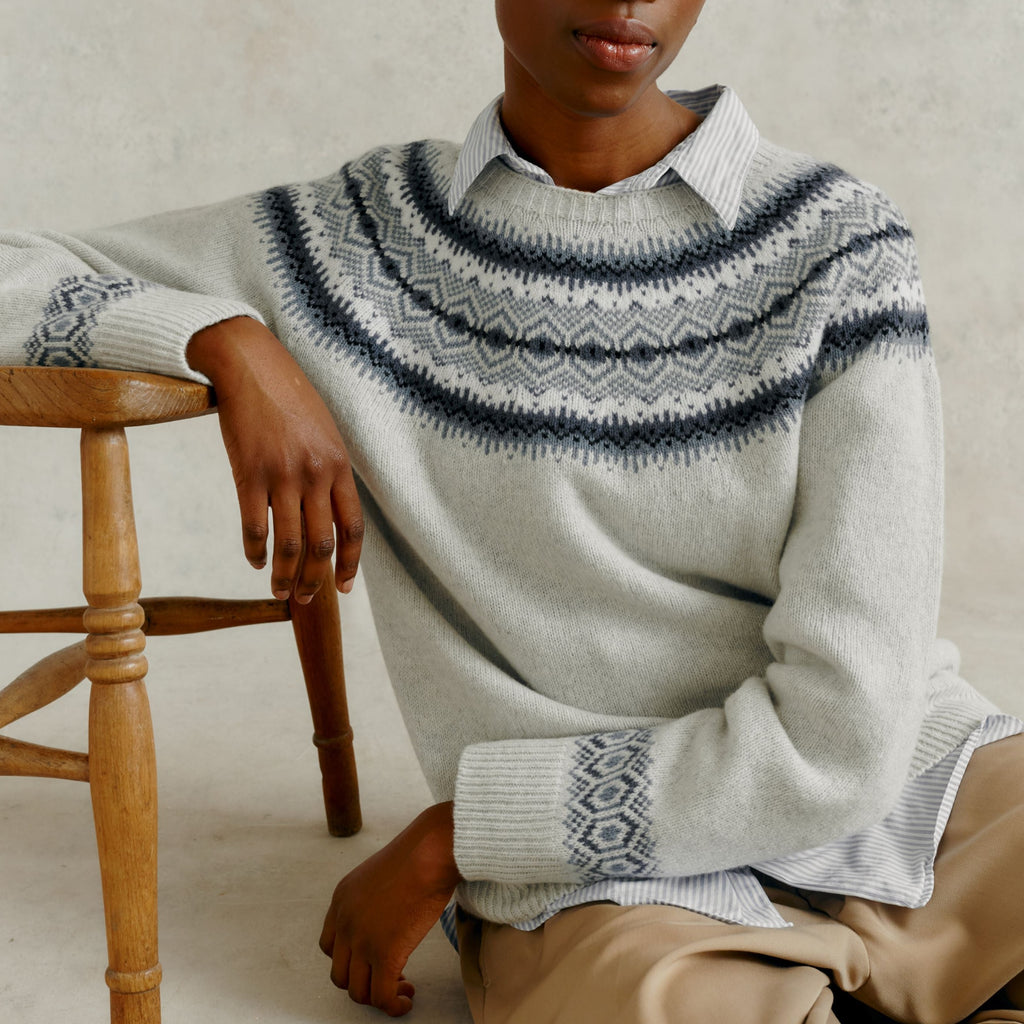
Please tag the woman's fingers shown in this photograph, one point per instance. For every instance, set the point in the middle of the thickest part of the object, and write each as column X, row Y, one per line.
column 328, row 934
column 289, row 543
column 303, row 536
column 348, row 517
column 340, row 968
column 318, row 536
column 389, row 992
column 373, row 984
column 359, row 980
column 304, row 539
column 253, row 506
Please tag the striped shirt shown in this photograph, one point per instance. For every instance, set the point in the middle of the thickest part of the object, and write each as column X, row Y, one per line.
column 893, row 860
column 712, row 160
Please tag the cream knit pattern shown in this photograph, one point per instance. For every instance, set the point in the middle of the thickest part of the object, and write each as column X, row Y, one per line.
column 654, row 504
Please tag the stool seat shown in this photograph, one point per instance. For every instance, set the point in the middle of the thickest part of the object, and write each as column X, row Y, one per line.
column 44, row 396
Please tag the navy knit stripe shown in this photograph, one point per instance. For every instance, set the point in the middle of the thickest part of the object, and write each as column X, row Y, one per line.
column 848, row 338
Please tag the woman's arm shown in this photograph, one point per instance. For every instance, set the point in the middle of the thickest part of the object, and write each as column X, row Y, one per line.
column 185, row 294
column 286, row 456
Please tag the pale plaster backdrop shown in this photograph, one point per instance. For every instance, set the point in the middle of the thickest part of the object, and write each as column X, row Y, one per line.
column 114, row 109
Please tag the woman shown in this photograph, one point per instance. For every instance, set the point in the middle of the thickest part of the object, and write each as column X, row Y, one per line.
column 645, row 427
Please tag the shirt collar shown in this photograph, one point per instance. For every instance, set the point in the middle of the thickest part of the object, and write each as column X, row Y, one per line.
column 713, row 160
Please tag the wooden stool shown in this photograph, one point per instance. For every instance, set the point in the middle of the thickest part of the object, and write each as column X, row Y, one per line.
column 120, row 766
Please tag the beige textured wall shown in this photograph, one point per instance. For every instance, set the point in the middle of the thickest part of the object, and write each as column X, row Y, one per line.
column 112, row 110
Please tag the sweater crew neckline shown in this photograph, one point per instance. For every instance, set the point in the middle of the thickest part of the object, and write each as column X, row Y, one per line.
column 525, row 214
column 712, row 161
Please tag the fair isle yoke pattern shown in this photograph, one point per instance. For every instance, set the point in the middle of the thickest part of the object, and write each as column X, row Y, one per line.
column 639, row 345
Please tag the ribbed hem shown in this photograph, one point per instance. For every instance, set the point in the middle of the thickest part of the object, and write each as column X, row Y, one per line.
column 523, row 905
column 953, row 714
column 509, row 799
column 150, row 331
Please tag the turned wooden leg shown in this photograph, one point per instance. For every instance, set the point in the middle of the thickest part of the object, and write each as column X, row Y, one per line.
column 122, row 763
column 318, row 637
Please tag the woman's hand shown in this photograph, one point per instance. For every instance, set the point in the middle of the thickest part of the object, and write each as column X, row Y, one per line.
column 382, row 910
column 286, row 455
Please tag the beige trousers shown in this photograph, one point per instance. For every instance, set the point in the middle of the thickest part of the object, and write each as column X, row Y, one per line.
column 941, row 964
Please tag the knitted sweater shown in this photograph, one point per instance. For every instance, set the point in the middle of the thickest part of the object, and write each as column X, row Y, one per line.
column 653, row 502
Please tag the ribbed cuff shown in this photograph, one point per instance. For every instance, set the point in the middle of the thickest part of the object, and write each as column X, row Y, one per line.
column 150, row 331
column 509, row 806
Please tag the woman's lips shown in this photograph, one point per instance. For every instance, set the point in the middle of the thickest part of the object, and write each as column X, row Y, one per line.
column 616, row 45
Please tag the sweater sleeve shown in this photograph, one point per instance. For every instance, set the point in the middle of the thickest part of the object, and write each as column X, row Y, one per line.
column 820, row 744
column 127, row 297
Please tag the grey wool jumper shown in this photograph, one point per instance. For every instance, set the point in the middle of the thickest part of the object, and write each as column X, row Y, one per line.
column 653, row 501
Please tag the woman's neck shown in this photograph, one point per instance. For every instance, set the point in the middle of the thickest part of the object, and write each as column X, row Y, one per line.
column 588, row 153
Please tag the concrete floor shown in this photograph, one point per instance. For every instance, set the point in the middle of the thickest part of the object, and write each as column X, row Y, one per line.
column 246, row 865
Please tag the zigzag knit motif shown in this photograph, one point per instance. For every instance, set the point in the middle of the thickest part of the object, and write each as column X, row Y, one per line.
column 621, row 341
